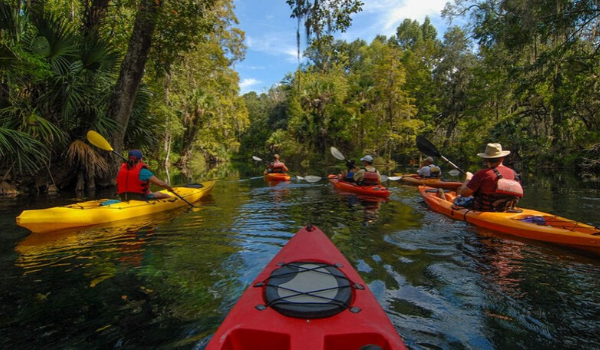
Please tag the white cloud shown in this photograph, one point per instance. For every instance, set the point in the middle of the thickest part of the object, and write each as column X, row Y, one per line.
column 246, row 83
column 274, row 45
column 250, row 67
column 384, row 16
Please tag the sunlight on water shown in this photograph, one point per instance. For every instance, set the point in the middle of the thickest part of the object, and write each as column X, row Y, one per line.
column 169, row 280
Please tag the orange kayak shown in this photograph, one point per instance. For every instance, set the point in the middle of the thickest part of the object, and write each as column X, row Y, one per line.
column 370, row 191
column 277, row 177
column 526, row 223
column 416, row 180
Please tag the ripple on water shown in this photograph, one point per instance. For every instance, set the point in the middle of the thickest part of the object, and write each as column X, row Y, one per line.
column 444, row 284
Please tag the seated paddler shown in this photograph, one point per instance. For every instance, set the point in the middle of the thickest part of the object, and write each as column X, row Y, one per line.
column 134, row 179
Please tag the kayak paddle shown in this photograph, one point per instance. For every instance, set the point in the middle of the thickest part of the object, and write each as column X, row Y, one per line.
column 453, row 172
column 391, row 178
column 309, row 178
column 429, row 149
column 339, row 155
column 99, row 141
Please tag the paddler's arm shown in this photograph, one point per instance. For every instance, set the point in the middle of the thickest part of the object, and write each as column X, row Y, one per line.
column 463, row 190
column 359, row 175
column 154, row 180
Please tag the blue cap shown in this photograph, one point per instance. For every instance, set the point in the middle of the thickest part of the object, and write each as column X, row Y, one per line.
column 136, row 154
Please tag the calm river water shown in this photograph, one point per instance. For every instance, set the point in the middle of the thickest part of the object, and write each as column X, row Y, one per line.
column 168, row 281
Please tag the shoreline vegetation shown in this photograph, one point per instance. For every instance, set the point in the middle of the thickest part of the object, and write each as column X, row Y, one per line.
column 163, row 80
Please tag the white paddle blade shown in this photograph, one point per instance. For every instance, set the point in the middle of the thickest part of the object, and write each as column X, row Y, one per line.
column 256, row 159
column 312, row 178
column 337, row 154
column 453, row 172
column 394, row 178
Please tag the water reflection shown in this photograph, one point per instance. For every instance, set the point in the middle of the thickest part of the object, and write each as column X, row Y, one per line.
column 124, row 240
column 169, row 282
column 370, row 206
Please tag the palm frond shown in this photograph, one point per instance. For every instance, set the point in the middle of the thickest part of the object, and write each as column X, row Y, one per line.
column 19, row 148
column 82, row 155
column 31, row 123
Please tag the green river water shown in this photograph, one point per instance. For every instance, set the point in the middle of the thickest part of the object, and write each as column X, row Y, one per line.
column 169, row 280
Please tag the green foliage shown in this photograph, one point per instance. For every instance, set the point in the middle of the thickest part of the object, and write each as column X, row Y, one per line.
column 19, row 151
column 523, row 73
column 57, row 78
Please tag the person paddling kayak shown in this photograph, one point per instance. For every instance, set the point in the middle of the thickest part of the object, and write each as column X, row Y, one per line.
column 367, row 175
column 351, row 169
column 134, row 179
column 429, row 170
column 495, row 188
column 276, row 166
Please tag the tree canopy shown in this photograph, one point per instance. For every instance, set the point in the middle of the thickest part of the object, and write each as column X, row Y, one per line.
column 160, row 76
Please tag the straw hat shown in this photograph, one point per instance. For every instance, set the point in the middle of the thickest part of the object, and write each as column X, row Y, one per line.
column 493, row 150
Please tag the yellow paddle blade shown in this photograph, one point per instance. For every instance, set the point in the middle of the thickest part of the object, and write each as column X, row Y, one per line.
column 98, row 140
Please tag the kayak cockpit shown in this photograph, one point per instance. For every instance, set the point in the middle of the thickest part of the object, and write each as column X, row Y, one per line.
column 308, row 290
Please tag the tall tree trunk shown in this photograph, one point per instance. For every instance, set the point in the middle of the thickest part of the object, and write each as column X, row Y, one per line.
column 167, row 139
column 132, row 70
column 450, row 130
column 95, row 12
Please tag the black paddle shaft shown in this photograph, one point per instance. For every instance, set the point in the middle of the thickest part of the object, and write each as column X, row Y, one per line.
column 429, row 149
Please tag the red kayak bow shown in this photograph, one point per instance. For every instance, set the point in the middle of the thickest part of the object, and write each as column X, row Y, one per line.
column 308, row 297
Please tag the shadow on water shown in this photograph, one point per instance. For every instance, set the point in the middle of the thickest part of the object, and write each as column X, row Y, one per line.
column 167, row 281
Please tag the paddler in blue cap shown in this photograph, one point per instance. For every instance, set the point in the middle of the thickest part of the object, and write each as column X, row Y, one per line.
column 134, row 179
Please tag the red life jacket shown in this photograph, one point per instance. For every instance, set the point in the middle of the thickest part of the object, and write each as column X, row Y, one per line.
column 277, row 167
column 128, row 180
column 370, row 178
column 507, row 194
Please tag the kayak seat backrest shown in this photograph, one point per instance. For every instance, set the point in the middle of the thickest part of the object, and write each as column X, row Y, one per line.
column 308, row 290
column 110, row 201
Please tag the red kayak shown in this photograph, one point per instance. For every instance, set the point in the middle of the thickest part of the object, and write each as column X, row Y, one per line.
column 372, row 191
column 308, row 297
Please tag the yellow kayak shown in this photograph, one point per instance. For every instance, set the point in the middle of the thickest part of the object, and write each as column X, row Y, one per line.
column 107, row 210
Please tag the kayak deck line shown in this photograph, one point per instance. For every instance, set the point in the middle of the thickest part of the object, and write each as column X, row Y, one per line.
column 286, row 299
column 549, row 220
column 92, row 212
column 523, row 222
column 307, row 297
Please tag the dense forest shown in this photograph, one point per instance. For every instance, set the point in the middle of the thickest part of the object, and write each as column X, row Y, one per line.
column 160, row 76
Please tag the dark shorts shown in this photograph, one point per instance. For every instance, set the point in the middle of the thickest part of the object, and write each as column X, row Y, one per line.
column 129, row 196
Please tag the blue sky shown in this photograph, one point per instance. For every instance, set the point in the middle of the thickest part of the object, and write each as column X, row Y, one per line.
column 271, row 34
